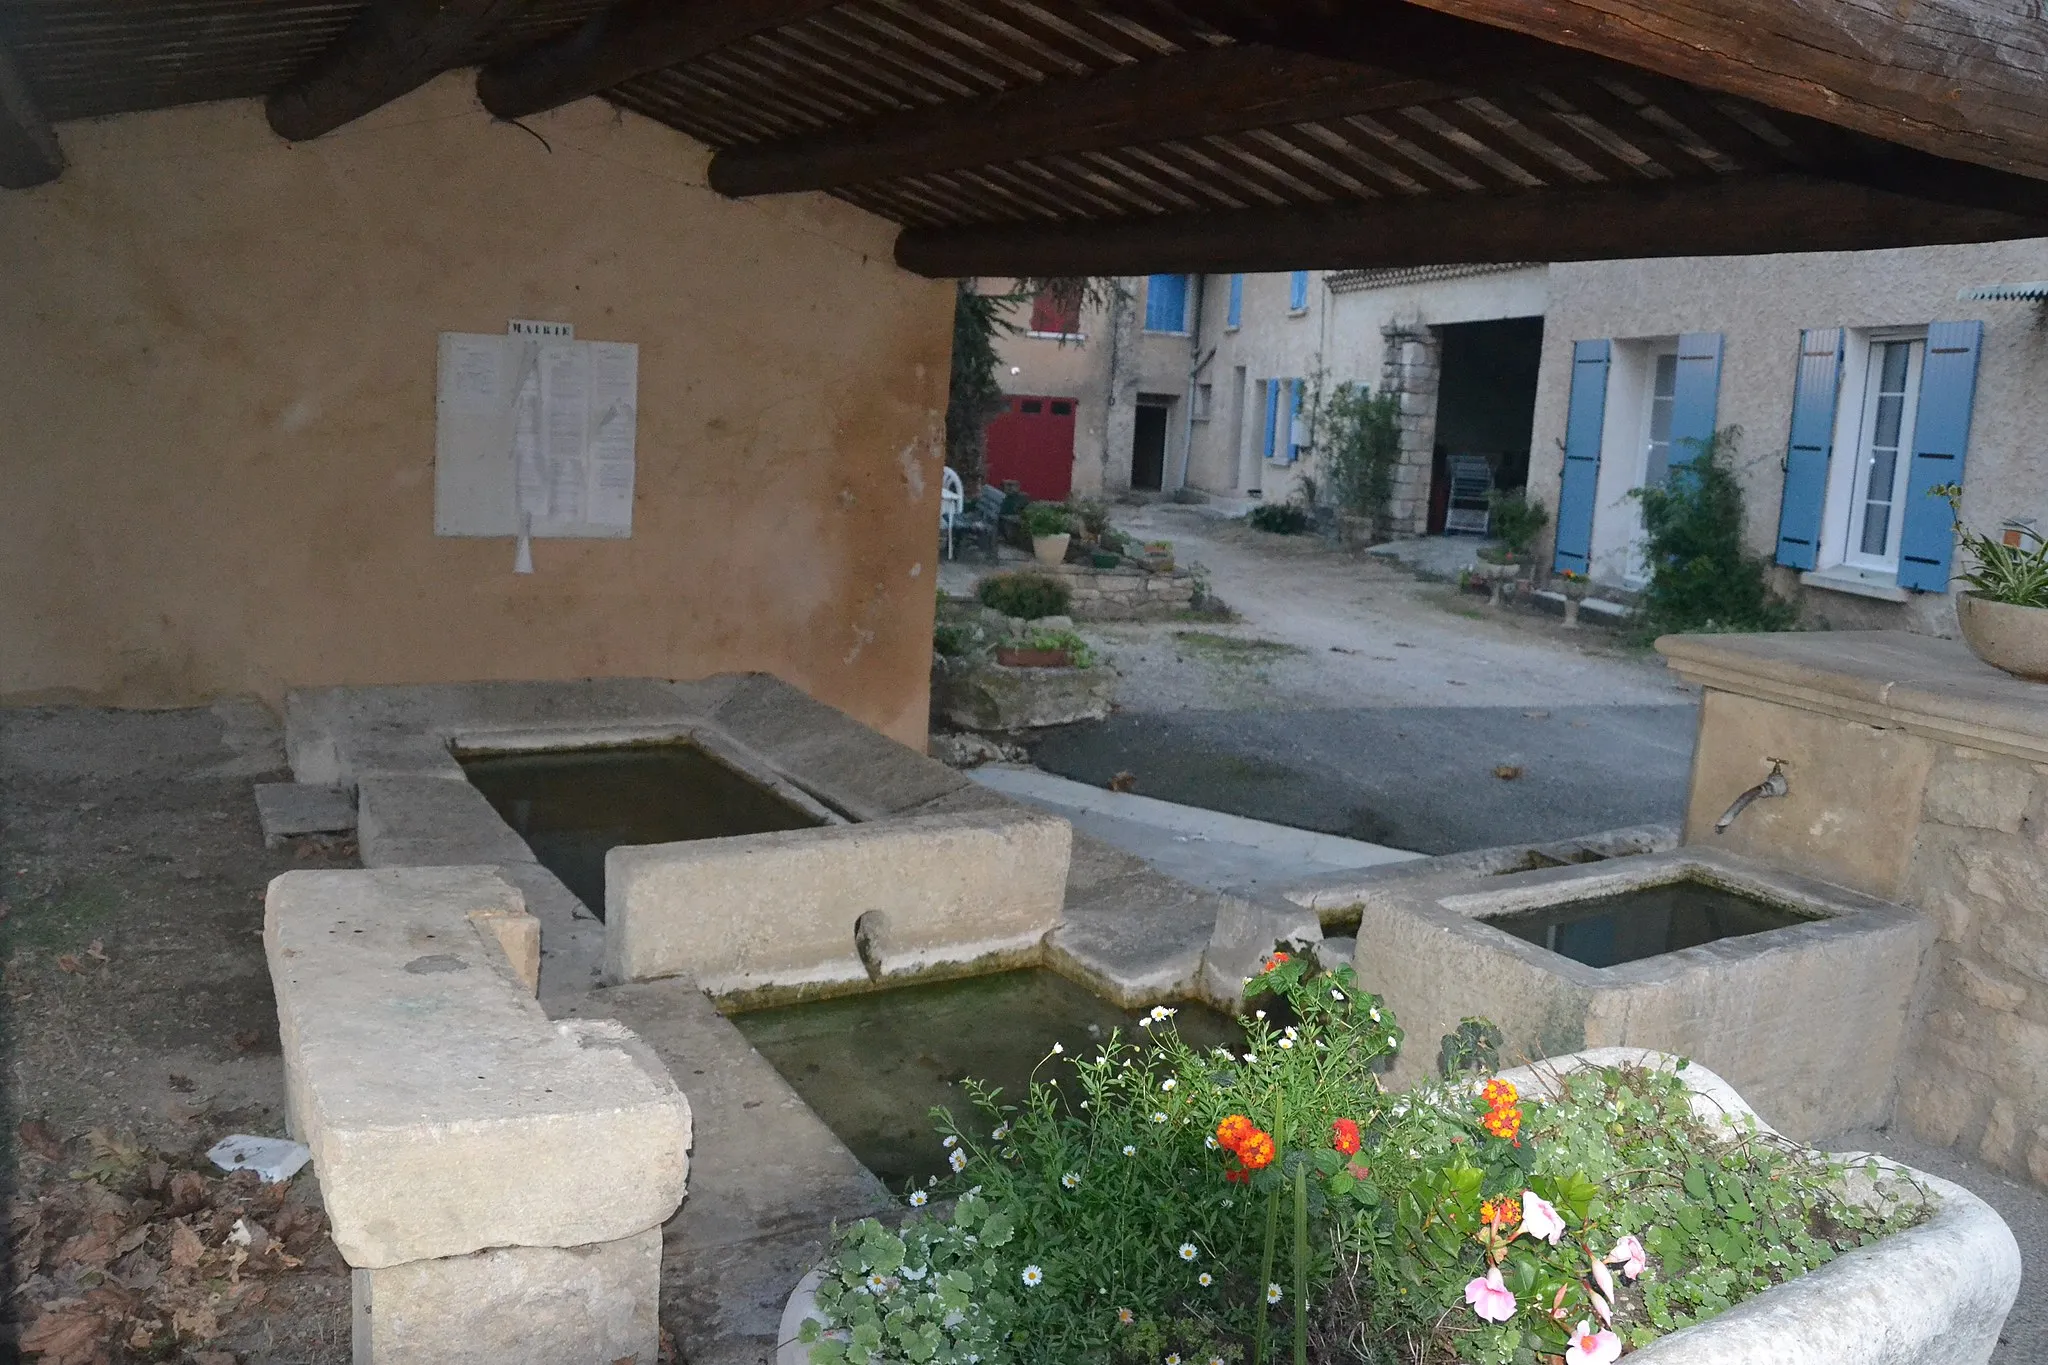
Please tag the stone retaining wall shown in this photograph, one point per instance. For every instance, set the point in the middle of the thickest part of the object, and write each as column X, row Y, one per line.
column 1124, row 594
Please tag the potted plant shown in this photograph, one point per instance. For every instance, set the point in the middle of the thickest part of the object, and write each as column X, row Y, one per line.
column 1574, row 585
column 1050, row 529
column 1515, row 520
column 1046, row 649
column 1158, row 556
column 2004, row 608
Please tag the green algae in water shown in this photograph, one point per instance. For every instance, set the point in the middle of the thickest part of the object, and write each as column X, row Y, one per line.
column 573, row 806
column 1604, row 931
column 874, row 1066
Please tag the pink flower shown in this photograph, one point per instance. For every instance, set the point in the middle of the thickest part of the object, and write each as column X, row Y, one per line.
column 1539, row 1218
column 1490, row 1299
column 1602, row 1278
column 1589, row 1347
column 1628, row 1254
column 1600, row 1307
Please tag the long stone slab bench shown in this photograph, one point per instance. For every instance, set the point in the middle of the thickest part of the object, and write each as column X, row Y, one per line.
column 496, row 1180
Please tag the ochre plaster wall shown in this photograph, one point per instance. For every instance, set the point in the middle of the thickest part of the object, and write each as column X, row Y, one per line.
column 217, row 370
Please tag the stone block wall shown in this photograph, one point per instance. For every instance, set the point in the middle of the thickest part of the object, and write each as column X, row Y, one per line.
column 1124, row 594
column 1412, row 369
column 1979, row 866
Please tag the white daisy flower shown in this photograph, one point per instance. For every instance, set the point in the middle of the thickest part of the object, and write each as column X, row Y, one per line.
column 1168, row 1084
column 1145, row 1021
column 1286, row 1044
column 1205, row 1279
column 1002, row 1131
column 1033, row 1276
column 1250, row 1057
column 1272, row 1293
column 1392, row 1041
column 1158, row 1116
column 1211, row 1142
column 1071, row 1180
column 1187, row 1251
column 1258, row 1014
column 1214, row 1360
column 1373, row 1014
column 950, row 1142
column 1130, row 1149
column 918, row 1199
column 958, row 1161
column 1057, row 1049
column 1173, row 1359
column 1292, row 1032
column 876, row 1283
column 1337, row 996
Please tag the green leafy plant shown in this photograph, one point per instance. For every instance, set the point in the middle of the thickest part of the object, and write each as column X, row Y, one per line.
column 1047, row 519
column 1029, row 595
column 1701, row 576
column 1090, row 517
column 953, row 641
column 1358, row 446
column 1516, row 518
column 2012, row 574
column 974, row 395
column 1279, row 518
column 933, row 1292
column 1079, row 655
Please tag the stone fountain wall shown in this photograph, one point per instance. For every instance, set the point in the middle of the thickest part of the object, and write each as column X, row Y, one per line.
column 1920, row 775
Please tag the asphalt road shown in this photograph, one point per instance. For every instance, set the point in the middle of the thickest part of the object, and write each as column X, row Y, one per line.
column 1418, row 778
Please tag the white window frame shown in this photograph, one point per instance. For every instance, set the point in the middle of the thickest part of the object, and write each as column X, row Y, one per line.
column 1617, row 540
column 1841, row 519
column 1647, row 401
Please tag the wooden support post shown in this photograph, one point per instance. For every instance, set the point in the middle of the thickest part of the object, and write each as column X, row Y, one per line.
column 29, row 154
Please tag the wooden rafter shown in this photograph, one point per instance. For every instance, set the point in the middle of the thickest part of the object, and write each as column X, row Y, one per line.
column 1955, row 78
column 392, row 48
column 1729, row 216
column 1191, row 94
column 29, row 154
column 628, row 40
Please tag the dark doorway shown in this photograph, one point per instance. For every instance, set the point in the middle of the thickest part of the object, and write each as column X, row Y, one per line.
column 1486, row 403
column 1148, row 447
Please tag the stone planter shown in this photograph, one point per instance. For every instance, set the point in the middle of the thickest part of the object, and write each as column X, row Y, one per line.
column 990, row 696
column 2005, row 636
column 1051, row 549
column 1498, row 578
column 1034, row 658
column 1935, row 1294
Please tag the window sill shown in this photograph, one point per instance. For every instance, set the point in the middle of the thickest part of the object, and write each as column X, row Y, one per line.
column 1057, row 336
column 1856, row 583
column 1300, row 312
column 1157, row 332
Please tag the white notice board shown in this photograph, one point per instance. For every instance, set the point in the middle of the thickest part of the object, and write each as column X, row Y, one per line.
column 534, row 435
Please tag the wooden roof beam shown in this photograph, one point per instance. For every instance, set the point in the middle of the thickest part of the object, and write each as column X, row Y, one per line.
column 1188, row 95
column 392, row 48
column 29, row 154
column 630, row 39
column 1736, row 216
column 1956, row 78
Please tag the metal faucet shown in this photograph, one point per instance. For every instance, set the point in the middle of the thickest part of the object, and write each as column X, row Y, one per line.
column 1774, row 785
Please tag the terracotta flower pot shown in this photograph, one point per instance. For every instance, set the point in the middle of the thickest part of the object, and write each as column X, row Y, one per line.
column 2004, row 636
column 1051, row 549
column 1034, row 658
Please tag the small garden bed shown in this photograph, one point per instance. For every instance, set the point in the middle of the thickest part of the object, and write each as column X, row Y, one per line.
column 1151, row 1202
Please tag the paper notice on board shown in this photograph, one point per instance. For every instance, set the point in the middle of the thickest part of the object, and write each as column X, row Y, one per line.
column 565, row 427
column 529, row 458
column 614, row 391
column 470, row 378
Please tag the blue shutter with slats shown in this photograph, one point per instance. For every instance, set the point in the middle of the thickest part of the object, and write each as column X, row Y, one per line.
column 1585, row 417
column 1236, row 317
column 1166, row 303
column 1941, row 436
column 1697, row 396
column 1297, row 290
column 1809, row 446
column 1294, row 420
column 1272, row 413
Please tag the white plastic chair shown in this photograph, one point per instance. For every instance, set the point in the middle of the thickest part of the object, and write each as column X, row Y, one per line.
column 952, row 502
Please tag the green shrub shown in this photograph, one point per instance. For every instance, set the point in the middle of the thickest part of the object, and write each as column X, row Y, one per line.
column 1516, row 519
column 1280, row 518
column 1090, row 517
column 1047, row 519
column 1701, row 576
column 1358, row 444
column 1029, row 595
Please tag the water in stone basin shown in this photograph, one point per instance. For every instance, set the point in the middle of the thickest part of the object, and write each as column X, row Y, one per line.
column 572, row 806
column 873, row 1066
column 1606, row 930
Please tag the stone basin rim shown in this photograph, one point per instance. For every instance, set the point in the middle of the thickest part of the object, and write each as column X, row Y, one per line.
column 1934, row 1294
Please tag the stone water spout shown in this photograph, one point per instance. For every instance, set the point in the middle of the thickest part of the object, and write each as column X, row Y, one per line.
column 1774, row 785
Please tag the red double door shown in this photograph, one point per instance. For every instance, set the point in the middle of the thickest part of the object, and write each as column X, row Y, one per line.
column 1032, row 441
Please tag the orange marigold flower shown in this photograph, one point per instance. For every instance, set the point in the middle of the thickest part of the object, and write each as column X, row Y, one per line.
column 1499, row 1094
column 1344, row 1137
column 1503, row 1123
column 1257, row 1151
column 1500, row 1212
column 1275, row 960
column 1234, row 1130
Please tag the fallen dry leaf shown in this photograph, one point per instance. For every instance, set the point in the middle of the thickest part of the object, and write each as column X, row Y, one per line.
column 246, row 1039
column 96, row 950
column 187, row 1192
column 93, row 1248
column 198, row 1322
column 67, row 963
column 1508, row 772
column 1124, row 782
column 38, row 1138
column 186, row 1248
column 65, row 1335
column 213, row 1358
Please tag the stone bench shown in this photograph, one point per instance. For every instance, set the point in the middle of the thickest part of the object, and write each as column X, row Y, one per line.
column 497, row 1181
column 840, row 905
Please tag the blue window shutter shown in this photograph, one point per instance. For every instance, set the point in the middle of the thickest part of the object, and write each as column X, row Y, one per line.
column 1294, row 419
column 1697, row 396
column 1166, row 303
column 1810, row 446
column 1585, row 417
column 1297, row 289
column 1236, row 300
column 1941, row 437
column 1272, row 413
